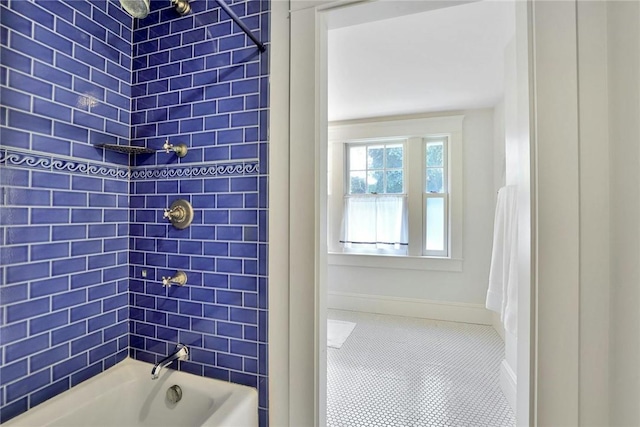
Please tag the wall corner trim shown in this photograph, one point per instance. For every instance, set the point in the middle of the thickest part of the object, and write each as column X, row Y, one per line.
column 508, row 383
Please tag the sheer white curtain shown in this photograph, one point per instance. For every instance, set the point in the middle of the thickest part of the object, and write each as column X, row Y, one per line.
column 375, row 224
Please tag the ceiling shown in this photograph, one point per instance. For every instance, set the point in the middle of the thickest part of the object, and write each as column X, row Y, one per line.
column 440, row 60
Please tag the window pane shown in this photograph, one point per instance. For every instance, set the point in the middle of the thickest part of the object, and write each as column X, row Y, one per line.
column 357, row 183
column 357, row 158
column 395, row 182
column 375, row 155
column 375, row 223
column 375, row 182
column 435, row 224
column 435, row 151
column 394, row 156
column 435, row 180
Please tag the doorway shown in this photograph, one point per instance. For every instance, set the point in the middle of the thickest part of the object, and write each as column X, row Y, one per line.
column 555, row 382
column 307, row 161
column 381, row 77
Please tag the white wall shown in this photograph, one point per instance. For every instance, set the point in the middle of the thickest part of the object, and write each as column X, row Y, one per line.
column 512, row 159
column 594, row 214
column 624, row 133
column 301, row 278
column 557, row 214
column 513, row 175
column 469, row 285
column 279, row 216
column 499, row 164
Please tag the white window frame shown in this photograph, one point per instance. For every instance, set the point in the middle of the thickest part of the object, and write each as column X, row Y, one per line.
column 444, row 195
column 414, row 131
column 402, row 251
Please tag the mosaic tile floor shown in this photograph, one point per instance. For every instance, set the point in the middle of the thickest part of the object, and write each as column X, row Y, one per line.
column 406, row 372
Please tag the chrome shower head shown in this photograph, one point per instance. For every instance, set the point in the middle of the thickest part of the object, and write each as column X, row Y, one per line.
column 136, row 8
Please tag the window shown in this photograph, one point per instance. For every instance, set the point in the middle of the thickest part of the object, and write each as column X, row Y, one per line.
column 435, row 197
column 375, row 203
column 375, row 168
column 395, row 188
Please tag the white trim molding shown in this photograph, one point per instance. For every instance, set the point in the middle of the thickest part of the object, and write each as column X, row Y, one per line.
column 397, row 262
column 386, row 127
column 279, row 210
column 508, row 383
column 411, row 307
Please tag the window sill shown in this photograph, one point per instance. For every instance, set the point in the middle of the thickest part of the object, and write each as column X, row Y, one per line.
column 401, row 262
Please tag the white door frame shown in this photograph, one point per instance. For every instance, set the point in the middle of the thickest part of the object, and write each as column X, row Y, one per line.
column 309, row 26
column 548, row 386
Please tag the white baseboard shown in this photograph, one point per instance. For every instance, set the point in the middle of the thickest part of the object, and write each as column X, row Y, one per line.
column 508, row 384
column 425, row 309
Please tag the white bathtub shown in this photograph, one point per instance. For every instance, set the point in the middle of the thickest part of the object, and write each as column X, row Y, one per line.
column 125, row 396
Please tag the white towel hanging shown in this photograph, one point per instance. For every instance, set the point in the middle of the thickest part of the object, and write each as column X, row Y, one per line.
column 502, row 295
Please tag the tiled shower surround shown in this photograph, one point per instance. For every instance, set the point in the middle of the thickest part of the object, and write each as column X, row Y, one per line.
column 84, row 242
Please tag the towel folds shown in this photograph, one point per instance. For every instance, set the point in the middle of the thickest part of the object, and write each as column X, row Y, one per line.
column 502, row 295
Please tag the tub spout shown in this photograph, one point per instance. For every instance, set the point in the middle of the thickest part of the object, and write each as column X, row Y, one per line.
column 181, row 353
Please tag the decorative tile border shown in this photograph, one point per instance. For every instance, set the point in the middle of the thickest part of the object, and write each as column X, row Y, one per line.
column 192, row 171
column 34, row 161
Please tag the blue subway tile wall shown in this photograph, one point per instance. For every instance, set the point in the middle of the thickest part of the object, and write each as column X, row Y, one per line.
column 65, row 282
column 79, row 224
column 62, row 96
column 66, row 85
column 200, row 81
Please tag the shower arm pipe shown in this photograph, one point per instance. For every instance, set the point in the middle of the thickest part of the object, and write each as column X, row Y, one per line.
column 241, row 24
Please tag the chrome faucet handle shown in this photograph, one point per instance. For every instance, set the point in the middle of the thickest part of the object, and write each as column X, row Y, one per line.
column 168, row 213
column 180, row 149
column 175, row 213
column 179, row 279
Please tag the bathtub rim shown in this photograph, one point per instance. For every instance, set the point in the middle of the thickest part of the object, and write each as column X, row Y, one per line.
column 241, row 398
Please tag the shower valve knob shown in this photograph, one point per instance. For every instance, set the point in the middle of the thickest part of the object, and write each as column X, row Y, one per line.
column 180, row 214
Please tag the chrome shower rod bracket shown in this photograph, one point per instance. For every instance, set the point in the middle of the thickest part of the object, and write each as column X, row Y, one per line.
column 241, row 24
